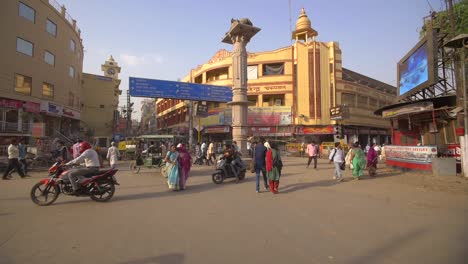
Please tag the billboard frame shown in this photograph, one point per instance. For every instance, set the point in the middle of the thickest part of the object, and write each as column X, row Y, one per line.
column 432, row 55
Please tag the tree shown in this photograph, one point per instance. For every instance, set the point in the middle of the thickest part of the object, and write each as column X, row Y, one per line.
column 442, row 20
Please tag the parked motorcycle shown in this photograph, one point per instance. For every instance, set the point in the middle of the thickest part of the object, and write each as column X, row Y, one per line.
column 224, row 170
column 99, row 186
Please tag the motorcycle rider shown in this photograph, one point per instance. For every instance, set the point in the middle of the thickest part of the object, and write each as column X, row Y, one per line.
column 230, row 155
column 91, row 159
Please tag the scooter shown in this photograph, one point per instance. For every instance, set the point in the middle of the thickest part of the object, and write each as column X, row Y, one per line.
column 224, row 170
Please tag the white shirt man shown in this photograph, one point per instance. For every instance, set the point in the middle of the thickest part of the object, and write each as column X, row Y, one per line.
column 337, row 157
column 91, row 160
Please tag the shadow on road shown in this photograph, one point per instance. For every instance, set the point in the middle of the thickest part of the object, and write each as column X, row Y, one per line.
column 173, row 258
column 191, row 189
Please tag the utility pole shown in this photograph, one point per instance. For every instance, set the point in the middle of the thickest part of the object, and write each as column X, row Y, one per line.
column 129, row 113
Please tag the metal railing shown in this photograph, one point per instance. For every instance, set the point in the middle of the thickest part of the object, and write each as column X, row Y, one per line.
column 67, row 16
column 12, row 127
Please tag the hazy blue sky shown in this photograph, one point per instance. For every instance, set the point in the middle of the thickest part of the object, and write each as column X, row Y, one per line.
column 164, row 39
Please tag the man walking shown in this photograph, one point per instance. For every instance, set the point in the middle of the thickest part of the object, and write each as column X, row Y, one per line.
column 13, row 163
column 211, row 154
column 337, row 157
column 22, row 156
column 259, row 156
column 113, row 155
column 312, row 152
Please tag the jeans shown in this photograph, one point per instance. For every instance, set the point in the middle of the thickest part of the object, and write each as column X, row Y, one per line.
column 257, row 178
column 338, row 170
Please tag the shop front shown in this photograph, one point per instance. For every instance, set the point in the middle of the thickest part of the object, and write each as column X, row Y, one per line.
column 421, row 131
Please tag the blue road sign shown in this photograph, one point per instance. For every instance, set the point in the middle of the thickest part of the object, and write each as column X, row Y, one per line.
column 140, row 87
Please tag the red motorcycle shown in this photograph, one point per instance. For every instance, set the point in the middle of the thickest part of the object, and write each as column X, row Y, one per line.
column 99, row 186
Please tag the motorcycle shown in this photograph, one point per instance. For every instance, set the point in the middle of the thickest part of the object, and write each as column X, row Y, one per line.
column 224, row 170
column 99, row 186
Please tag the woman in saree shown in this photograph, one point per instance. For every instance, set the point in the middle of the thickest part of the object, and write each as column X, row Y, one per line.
column 273, row 172
column 172, row 168
column 185, row 162
column 358, row 160
column 372, row 158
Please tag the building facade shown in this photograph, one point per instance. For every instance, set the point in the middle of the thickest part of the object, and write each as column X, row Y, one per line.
column 40, row 69
column 101, row 100
column 291, row 90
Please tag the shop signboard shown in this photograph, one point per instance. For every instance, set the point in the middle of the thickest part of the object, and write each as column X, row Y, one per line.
column 323, row 130
column 270, row 131
column 408, row 109
column 217, row 130
column 32, row 107
column 51, row 108
column 10, row 103
column 412, row 157
column 68, row 112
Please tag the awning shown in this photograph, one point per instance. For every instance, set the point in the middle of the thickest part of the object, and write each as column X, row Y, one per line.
column 423, row 105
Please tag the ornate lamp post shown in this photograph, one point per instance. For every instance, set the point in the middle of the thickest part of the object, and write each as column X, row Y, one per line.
column 239, row 35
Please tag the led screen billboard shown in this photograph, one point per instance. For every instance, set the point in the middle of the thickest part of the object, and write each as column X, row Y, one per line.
column 414, row 71
column 418, row 69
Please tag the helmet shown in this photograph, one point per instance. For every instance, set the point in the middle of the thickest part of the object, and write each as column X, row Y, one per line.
column 84, row 146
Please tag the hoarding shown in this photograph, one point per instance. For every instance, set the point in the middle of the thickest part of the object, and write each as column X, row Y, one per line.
column 413, row 157
column 418, row 68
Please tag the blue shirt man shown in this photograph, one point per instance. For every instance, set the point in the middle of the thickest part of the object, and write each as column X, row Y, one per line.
column 259, row 156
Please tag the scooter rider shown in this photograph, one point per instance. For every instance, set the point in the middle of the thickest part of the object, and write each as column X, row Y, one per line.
column 230, row 156
column 91, row 159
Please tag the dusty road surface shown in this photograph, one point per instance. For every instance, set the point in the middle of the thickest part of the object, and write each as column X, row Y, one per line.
column 312, row 220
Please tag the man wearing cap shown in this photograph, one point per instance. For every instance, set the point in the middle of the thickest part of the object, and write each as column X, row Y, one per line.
column 113, row 155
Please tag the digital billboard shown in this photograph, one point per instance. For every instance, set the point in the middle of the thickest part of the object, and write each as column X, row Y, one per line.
column 414, row 71
column 418, row 69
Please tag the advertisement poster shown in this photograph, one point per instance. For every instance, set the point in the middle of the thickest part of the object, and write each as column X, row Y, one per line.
column 414, row 157
column 38, row 130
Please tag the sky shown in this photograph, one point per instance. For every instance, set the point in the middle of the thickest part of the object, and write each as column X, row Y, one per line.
column 162, row 39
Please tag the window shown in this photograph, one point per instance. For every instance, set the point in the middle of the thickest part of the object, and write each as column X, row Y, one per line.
column 47, row 90
column 49, row 58
column 348, row 99
column 27, row 12
column 273, row 100
column 23, row 84
column 217, row 74
column 72, row 45
column 51, row 27
column 273, row 69
column 252, row 72
column 101, row 106
column 362, row 102
column 24, row 46
column 71, row 72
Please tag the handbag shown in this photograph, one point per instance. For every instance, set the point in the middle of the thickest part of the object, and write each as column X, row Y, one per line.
column 343, row 165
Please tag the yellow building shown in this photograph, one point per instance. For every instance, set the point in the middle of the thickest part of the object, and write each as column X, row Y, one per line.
column 43, row 90
column 100, row 100
column 40, row 69
column 292, row 90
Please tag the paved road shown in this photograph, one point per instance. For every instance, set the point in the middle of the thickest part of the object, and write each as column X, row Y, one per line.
column 312, row 220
